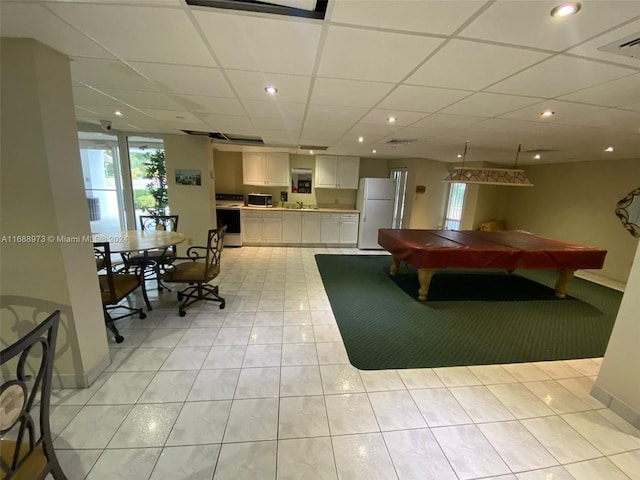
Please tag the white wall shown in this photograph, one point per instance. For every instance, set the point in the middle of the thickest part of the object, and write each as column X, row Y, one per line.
column 615, row 386
column 42, row 194
column 195, row 204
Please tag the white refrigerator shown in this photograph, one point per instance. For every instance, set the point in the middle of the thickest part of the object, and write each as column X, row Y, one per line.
column 375, row 202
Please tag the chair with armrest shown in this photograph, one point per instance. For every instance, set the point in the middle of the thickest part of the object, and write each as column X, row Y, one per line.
column 201, row 266
column 114, row 287
column 26, row 445
column 158, row 260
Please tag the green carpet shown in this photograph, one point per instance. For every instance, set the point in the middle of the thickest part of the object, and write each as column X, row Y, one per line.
column 469, row 317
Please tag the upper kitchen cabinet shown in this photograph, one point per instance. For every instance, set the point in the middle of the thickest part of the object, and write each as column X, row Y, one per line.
column 267, row 169
column 333, row 171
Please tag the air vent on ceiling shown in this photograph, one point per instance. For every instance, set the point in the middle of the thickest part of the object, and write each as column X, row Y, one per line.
column 628, row 46
column 400, row 142
column 312, row 147
column 229, row 138
column 292, row 8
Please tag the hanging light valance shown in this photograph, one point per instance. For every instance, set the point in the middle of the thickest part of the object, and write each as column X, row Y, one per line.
column 489, row 176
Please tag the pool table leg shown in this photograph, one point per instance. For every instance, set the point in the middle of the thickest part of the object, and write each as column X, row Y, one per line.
column 564, row 277
column 394, row 266
column 424, row 277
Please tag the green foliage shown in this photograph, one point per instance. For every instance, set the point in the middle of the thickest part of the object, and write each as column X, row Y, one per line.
column 142, row 199
column 155, row 170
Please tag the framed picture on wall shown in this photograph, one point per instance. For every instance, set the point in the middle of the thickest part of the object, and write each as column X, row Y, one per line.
column 188, row 177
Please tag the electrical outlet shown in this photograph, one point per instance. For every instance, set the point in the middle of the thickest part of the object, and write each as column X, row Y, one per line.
column 189, row 241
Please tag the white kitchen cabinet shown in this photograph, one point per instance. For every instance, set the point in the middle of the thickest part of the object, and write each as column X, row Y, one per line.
column 251, row 227
column 272, row 227
column 334, row 171
column 266, row 169
column 311, row 225
column 339, row 228
column 291, row 227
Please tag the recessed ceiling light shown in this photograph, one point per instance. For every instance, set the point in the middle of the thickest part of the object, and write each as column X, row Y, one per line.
column 537, row 156
column 373, row 151
column 566, row 9
column 459, row 156
column 271, row 90
column 391, row 119
column 361, row 139
column 608, row 149
column 310, row 152
column 118, row 113
column 547, row 113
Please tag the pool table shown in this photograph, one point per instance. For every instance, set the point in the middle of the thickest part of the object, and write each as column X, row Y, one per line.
column 430, row 250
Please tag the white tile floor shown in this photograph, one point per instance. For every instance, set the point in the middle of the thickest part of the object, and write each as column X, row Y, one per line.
column 264, row 390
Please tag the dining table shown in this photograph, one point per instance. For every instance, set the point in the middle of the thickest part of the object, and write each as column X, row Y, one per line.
column 129, row 241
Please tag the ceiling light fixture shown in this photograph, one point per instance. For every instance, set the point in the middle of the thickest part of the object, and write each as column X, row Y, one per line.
column 373, row 151
column 117, row 113
column 361, row 139
column 566, row 9
column 537, row 156
column 271, row 90
column 489, row 176
column 310, row 152
column 608, row 149
column 391, row 119
column 547, row 113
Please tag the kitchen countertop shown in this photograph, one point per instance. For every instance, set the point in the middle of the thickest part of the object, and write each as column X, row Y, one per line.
column 323, row 210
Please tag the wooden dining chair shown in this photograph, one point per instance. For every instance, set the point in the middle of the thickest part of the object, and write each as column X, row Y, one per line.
column 26, row 446
column 201, row 265
column 114, row 287
column 155, row 261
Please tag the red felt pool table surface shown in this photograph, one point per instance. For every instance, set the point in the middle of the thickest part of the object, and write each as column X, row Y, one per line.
column 429, row 250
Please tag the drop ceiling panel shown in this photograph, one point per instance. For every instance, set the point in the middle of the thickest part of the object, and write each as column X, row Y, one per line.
column 559, row 76
column 529, row 23
column 251, row 85
column 443, row 122
column 230, row 124
column 172, row 116
column 108, row 74
column 608, row 118
column 293, row 112
column 222, row 106
column 421, row 99
column 88, row 96
column 186, row 80
column 489, row 104
column 144, row 99
column 139, row 33
column 358, row 54
column 562, row 109
column 328, row 113
column 617, row 93
column 348, row 93
column 106, row 112
column 34, row 21
column 436, row 17
column 451, row 65
column 379, row 116
column 260, row 44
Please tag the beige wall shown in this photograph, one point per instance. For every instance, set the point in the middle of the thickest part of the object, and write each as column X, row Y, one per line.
column 614, row 385
column 194, row 203
column 575, row 202
column 42, row 194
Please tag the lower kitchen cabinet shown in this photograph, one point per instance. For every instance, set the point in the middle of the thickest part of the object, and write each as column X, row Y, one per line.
column 339, row 228
column 291, row 227
column 311, row 222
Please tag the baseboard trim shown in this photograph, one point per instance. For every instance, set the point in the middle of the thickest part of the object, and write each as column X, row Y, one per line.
column 617, row 406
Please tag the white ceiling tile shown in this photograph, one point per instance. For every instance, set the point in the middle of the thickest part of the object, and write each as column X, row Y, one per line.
column 348, row 93
column 561, row 109
column 186, row 80
column 436, row 17
column 489, row 104
column 258, row 43
column 590, row 48
column 529, row 22
column 144, row 99
column 175, row 117
column 473, row 65
column 421, row 99
column 617, row 93
column 442, row 122
column 329, row 113
column 199, row 103
column 229, row 123
column 150, row 34
column 107, row 112
column 372, row 130
column 294, row 112
column 34, row 21
column 609, row 118
column 108, row 74
column 365, row 54
column 379, row 116
column 291, row 88
column 89, row 96
column 558, row 76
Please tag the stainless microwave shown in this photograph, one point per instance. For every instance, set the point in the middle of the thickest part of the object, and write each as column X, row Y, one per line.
column 259, row 200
